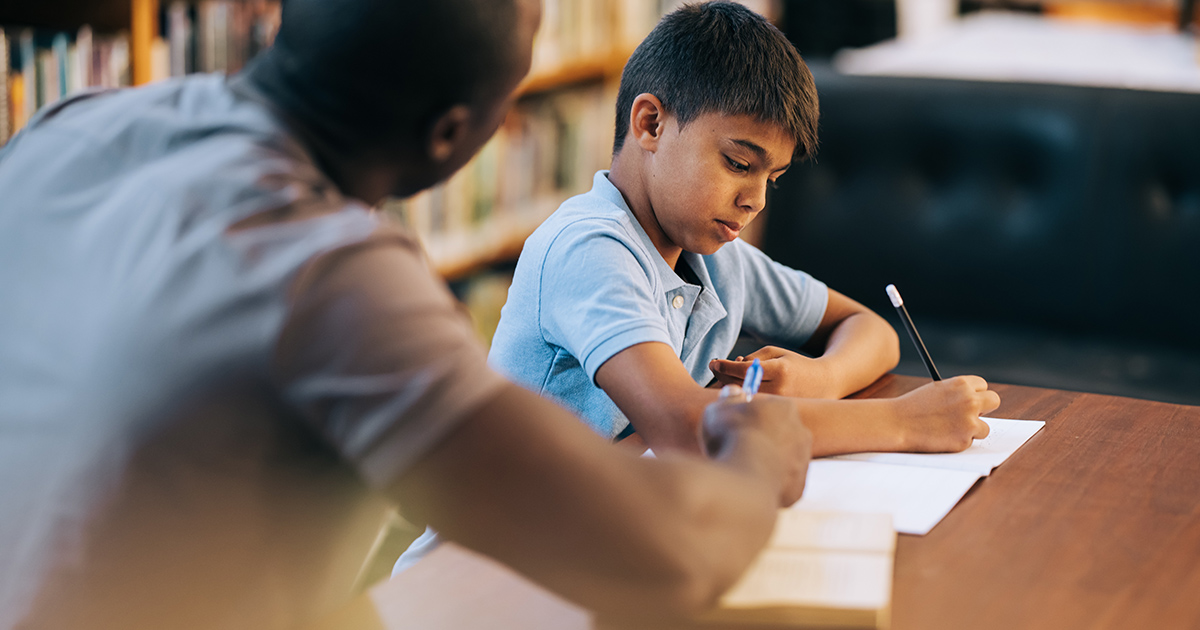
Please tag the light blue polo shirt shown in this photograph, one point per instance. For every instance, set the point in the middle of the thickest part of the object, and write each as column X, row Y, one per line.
column 589, row 284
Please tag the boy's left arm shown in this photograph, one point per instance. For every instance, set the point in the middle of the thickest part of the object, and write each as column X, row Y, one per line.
column 851, row 348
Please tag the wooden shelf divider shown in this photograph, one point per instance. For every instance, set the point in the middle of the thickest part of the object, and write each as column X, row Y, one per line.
column 143, row 30
column 582, row 70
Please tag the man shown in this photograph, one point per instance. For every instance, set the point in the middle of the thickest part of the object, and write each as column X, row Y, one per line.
column 218, row 366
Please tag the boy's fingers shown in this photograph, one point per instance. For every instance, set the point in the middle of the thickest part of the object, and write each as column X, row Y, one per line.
column 976, row 382
column 726, row 380
column 991, row 400
column 729, row 368
column 982, row 430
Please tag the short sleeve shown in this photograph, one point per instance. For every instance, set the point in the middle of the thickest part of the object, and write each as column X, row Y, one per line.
column 782, row 304
column 377, row 355
column 597, row 296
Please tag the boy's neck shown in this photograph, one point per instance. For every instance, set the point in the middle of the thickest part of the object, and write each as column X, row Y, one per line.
column 627, row 175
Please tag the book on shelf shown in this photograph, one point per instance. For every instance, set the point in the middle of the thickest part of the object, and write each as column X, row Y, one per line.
column 826, row 569
column 547, row 150
column 5, row 88
column 40, row 67
column 572, row 31
column 212, row 35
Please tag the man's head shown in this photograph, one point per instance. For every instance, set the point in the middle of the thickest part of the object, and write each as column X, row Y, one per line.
column 424, row 83
column 714, row 105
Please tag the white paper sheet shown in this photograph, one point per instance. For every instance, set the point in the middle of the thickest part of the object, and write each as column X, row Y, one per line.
column 917, row 489
column 1005, row 438
column 916, row 497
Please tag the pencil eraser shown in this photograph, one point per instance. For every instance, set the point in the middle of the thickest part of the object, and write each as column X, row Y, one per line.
column 894, row 296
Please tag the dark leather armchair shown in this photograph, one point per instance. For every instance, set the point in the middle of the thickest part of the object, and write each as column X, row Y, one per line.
column 1041, row 234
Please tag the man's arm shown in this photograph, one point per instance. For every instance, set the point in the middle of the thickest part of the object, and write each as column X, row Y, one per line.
column 653, row 389
column 527, row 483
column 852, row 347
column 378, row 359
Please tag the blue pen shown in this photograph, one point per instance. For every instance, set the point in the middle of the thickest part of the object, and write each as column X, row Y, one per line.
column 753, row 380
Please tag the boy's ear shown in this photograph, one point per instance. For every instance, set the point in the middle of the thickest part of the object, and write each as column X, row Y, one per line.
column 647, row 120
column 448, row 132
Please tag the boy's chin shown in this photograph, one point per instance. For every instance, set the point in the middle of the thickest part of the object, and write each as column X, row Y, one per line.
column 708, row 249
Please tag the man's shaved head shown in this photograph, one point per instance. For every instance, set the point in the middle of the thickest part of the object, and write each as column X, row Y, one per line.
column 379, row 71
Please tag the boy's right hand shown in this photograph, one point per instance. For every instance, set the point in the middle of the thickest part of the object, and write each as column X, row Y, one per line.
column 748, row 433
column 944, row 415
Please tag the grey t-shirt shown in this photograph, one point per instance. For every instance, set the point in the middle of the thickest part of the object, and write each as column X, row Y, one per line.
column 210, row 364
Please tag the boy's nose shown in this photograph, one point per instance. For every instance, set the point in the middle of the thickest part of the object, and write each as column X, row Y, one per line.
column 753, row 198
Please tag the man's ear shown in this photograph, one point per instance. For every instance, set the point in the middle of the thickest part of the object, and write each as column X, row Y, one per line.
column 448, row 132
column 647, row 121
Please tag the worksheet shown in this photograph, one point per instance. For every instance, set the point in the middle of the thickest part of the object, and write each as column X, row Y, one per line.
column 1005, row 438
column 916, row 497
column 918, row 490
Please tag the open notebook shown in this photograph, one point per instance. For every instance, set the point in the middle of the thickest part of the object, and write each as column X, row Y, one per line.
column 917, row 489
column 823, row 569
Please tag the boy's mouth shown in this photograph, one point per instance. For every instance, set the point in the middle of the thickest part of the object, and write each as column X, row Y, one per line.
column 729, row 229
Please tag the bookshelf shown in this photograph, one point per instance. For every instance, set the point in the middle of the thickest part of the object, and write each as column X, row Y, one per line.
column 559, row 133
column 63, row 46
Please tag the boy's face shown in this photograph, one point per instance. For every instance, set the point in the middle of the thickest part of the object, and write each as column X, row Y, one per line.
column 708, row 180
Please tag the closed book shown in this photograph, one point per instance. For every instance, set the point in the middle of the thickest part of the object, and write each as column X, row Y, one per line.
column 5, row 90
column 820, row 569
column 29, row 72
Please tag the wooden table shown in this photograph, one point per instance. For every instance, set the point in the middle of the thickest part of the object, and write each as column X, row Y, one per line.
column 1094, row 523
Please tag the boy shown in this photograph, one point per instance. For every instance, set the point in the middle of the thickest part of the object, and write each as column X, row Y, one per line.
column 622, row 298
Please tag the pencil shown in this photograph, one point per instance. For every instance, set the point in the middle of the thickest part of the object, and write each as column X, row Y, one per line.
column 898, row 302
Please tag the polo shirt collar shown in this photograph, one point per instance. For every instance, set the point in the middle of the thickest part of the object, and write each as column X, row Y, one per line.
column 669, row 280
column 704, row 306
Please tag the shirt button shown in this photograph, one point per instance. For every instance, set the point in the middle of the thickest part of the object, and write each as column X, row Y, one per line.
column 677, row 302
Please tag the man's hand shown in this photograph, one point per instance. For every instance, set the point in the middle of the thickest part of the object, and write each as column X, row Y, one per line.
column 944, row 415
column 785, row 373
column 772, row 420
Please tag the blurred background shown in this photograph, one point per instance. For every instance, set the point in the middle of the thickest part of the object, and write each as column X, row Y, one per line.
column 1026, row 172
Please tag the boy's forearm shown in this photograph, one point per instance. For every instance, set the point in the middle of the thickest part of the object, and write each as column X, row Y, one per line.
column 671, row 422
column 852, row 426
column 860, row 350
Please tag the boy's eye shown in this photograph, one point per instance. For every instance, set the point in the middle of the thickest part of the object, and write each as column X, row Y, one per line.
column 737, row 166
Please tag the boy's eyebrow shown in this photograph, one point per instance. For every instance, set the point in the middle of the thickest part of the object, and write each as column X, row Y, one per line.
column 758, row 151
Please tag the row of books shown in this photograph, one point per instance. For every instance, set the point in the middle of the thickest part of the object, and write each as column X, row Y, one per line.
column 39, row 67
column 590, row 30
column 547, row 150
column 212, row 35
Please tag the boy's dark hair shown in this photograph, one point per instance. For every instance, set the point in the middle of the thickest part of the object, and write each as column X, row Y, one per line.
column 722, row 57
